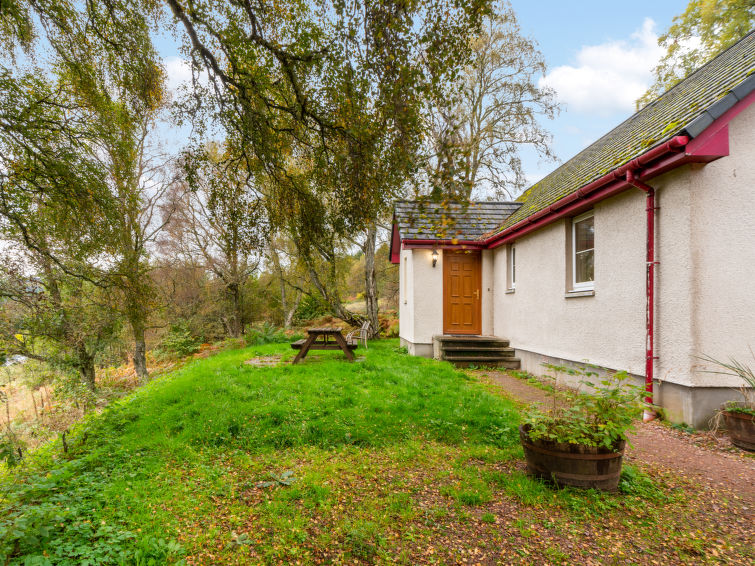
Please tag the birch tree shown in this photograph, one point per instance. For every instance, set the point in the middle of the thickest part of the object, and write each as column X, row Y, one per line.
column 477, row 136
column 108, row 92
column 695, row 36
column 324, row 101
column 222, row 222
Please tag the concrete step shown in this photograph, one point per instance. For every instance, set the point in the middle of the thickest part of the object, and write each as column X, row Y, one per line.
column 462, row 339
column 475, row 348
column 465, row 351
column 466, row 361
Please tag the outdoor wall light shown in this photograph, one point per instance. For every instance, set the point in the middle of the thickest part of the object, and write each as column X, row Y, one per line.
column 435, row 257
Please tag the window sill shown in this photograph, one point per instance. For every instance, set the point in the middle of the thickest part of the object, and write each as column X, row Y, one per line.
column 510, row 291
column 580, row 293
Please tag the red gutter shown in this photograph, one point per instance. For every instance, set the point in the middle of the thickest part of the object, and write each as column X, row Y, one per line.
column 650, row 290
column 416, row 244
column 606, row 186
column 660, row 159
column 709, row 145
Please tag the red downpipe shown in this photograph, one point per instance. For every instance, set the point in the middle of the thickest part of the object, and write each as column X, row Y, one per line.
column 650, row 292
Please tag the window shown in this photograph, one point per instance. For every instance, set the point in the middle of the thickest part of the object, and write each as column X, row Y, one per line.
column 583, row 252
column 405, row 278
column 512, row 267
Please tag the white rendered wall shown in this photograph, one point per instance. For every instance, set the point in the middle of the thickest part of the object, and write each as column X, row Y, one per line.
column 705, row 282
column 421, row 302
column 406, row 297
column 607, row 328
column 724, row 253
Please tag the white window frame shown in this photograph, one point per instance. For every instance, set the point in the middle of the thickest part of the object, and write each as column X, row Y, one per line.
column 405, row 279
column 585, row 285
column 512, row 266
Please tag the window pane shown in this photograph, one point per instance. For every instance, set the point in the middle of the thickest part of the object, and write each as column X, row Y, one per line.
column 584, row 232
column 584, row 267
column 513, row 265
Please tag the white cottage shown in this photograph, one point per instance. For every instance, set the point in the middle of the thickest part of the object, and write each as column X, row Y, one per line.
column 638, row 254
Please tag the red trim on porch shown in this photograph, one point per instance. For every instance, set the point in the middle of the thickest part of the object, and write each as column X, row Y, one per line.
column 395, row 246
column 443, row 244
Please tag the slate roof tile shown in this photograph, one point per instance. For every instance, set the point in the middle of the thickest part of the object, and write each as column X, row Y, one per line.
column 687, row 108
column 420, row 220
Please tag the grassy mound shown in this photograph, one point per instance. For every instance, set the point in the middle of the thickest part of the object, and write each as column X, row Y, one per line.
column 112, row 496
column 392, row 459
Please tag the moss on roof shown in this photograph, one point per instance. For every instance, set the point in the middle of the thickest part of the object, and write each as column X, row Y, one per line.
column 666, row 117
column 427, row 220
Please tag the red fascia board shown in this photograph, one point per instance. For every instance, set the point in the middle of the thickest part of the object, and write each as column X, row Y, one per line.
column 711, row 144
column 714, row 140
column 442, row 244
column 714, row 147
column 569, row 209
column 395, row 247
column 607, row 185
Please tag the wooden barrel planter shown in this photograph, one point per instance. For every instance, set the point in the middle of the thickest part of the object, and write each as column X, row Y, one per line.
column 574, row 465
column 741, row 428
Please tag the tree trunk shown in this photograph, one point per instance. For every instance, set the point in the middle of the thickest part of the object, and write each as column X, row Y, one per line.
column 370, row 281
column 140, row 346
column 86, row 368
column 290, row 313
column 284, row 302
column 288, row 316
column 234, row 323
column 333, row 300
column 140, row 358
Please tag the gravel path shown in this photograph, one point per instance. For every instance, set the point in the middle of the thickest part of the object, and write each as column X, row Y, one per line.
column 716, row 464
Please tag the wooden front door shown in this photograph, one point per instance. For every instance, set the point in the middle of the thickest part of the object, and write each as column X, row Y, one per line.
column 462, row 282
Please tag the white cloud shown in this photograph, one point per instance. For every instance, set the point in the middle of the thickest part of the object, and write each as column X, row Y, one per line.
column 533, row 177
column 608, row 77
column 178, row 71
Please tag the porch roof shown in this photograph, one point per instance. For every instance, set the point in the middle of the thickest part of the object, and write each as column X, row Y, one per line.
column 428, row 220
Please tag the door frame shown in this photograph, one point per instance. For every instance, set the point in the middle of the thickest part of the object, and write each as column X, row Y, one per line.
column 446, row 304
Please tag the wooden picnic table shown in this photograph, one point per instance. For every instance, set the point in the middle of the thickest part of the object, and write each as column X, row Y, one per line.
column 320, row 339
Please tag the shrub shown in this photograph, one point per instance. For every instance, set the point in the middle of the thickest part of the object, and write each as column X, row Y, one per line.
column 601, row 419
column 746, row 374
column 179, row 341
column 392, row 330
column 266, row 333
column 311, row 307
column 53, row 519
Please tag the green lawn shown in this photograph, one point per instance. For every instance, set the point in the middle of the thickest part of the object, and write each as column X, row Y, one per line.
column 390, row 459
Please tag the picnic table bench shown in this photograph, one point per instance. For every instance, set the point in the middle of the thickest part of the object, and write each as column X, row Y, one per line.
column 320, row 339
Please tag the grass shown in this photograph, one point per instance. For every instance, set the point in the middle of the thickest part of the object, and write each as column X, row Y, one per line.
column 390, row 459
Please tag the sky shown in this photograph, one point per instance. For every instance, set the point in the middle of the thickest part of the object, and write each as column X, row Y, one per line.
column 599, row 55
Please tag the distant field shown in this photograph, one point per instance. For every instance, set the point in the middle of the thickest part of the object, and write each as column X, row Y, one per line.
column 360, row 306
